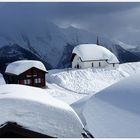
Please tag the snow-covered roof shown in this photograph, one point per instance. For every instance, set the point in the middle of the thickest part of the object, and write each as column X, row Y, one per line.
column 20, row 66
column 35, row 110
column 94, row 52
column 115, row 111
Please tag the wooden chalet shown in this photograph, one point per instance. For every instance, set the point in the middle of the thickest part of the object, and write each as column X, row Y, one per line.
column 26, row 72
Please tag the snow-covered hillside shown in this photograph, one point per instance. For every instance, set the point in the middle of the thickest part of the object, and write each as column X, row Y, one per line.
column 85, row 80
column 114, row 112
column 76, row 86
column 88, row 81
column 72, row 86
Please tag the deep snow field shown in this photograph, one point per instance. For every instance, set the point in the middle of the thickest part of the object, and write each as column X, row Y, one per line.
column 71, row 85
column 114, row 112
column 32, row 108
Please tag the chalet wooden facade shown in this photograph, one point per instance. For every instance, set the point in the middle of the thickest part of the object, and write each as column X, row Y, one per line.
column 33, row 76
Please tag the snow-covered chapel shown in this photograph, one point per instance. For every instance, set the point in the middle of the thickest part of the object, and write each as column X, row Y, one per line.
column 93, row 56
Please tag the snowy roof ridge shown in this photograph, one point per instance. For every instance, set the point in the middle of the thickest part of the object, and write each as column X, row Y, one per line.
column 94, row 52
column 20, row 66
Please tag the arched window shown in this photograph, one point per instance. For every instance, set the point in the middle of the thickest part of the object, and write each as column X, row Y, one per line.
column 77, row 66
column 99, row 64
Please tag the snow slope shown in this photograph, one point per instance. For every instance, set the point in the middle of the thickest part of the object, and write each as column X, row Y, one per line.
column 114, row 112
column 125, row 70
column 87, row 81
column 36, row 110
column 84, row 80
column 63, row 94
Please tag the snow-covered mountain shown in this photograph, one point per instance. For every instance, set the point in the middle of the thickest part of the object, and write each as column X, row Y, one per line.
column 54, row 44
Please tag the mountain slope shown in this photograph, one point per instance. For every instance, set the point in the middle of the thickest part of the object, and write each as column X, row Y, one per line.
column 54, row 44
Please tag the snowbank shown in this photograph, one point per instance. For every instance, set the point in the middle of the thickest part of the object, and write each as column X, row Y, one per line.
column 130, row 68
column 19, row 67
column 34, row 109
column 88, row 81
column 79, row 105
column 94, row 52
column 63, row 94
column 114, row 112
column 84, row 81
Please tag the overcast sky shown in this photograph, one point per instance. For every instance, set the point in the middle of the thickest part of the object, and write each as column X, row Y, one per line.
column 115, row 20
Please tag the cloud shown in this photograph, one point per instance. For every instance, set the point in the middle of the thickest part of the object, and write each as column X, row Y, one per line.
column 114, row 20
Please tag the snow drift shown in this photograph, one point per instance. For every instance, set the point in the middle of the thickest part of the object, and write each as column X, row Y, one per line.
column 87, row 81
column 106, row 79
column 114, row 112
column 34, row 109
column 84, row 81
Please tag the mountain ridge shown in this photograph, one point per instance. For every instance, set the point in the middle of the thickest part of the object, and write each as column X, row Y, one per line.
column 54, row 45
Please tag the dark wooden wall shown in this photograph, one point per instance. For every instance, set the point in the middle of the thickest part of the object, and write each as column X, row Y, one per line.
column 13, row 130
column 30, row 74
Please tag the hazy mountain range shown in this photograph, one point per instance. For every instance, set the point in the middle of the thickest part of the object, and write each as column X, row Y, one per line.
column 45, row 41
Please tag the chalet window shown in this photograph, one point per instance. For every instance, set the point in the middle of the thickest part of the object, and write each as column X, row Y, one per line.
column 113, row 65
column 27, row 82
column 38, row 80
column 92, row 65
column 77, row 66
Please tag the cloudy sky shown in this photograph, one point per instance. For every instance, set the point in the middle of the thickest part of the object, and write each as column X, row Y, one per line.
column 115, row 20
